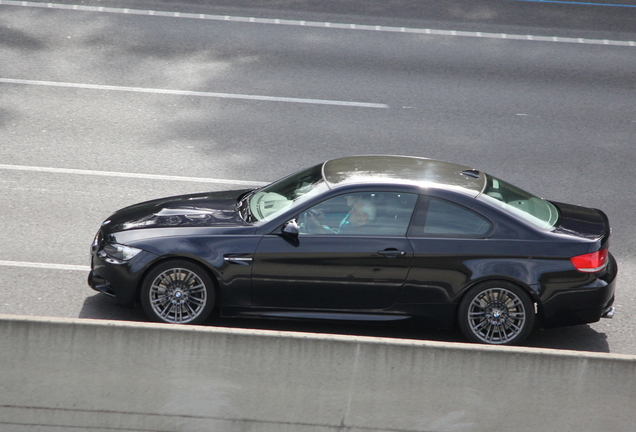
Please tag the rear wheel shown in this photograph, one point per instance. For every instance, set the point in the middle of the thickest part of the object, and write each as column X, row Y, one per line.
column 178, row 292
column 497, row 313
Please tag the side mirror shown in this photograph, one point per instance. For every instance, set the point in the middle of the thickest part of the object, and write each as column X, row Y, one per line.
column 290, row 229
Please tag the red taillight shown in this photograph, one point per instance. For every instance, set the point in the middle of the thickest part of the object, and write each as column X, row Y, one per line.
column 590, row 263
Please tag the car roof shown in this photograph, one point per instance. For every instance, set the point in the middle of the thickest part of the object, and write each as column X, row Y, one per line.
column 403, row 170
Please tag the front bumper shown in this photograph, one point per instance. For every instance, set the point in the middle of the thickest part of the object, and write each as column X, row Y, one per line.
column 98, row 283
column 119, row 282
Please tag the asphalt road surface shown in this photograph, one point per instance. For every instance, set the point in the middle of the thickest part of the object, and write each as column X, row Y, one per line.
column 108, row 103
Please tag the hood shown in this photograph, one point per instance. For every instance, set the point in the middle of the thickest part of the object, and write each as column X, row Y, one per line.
column 196, row 210
column 583, row 222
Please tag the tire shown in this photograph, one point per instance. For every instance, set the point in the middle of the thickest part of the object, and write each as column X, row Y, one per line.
column 178, row 292
column 496, row 313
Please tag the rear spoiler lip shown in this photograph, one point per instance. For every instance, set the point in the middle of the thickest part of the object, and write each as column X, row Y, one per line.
column 584, row 223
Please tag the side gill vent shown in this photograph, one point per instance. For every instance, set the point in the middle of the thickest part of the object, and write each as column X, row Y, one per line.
column 470, row 173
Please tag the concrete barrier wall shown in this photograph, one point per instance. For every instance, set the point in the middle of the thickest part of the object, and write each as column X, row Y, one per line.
column 61, row 375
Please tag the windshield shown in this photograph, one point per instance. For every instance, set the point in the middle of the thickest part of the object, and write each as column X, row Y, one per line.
column 267, row 203
column 520, row 203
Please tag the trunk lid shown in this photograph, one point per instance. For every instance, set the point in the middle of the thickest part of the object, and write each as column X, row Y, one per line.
column 584, row 222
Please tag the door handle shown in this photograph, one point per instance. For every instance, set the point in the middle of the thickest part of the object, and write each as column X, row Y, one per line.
column 391, row 253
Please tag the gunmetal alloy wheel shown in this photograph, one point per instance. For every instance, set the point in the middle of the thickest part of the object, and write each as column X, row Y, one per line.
column 178, row 292
column 496, row 313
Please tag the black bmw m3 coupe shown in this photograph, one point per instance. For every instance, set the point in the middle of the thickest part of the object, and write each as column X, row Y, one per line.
column 373, row 238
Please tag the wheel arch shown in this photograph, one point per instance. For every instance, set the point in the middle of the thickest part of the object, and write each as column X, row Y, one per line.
column 166, row 258
column 483, row 317
column 532, row 294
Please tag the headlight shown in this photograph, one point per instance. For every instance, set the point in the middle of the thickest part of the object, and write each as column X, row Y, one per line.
column 118, row 253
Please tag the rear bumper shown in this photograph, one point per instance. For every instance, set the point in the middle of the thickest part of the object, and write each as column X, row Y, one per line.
column 583, row 304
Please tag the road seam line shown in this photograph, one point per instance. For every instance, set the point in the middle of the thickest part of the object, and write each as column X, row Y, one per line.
column 330, row 25
column 579, row 3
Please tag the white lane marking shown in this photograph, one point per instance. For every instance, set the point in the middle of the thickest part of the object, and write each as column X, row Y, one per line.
column 47, row 266
column 51, row 266
column 129, row 175
column 193, row 93
column 319, row 24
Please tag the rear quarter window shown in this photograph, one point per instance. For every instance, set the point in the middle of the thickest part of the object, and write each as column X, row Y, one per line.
column 441, row 218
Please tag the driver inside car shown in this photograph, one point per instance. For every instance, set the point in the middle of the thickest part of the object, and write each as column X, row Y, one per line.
column 357, row 221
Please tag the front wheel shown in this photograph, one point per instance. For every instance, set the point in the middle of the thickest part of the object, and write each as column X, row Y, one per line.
column 178, row 292
column 497, row 313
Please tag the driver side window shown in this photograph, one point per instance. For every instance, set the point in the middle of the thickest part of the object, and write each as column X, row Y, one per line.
column 366, row 214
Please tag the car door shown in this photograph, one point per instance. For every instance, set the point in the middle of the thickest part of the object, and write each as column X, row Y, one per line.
column 447, row 239
column 338, row 262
